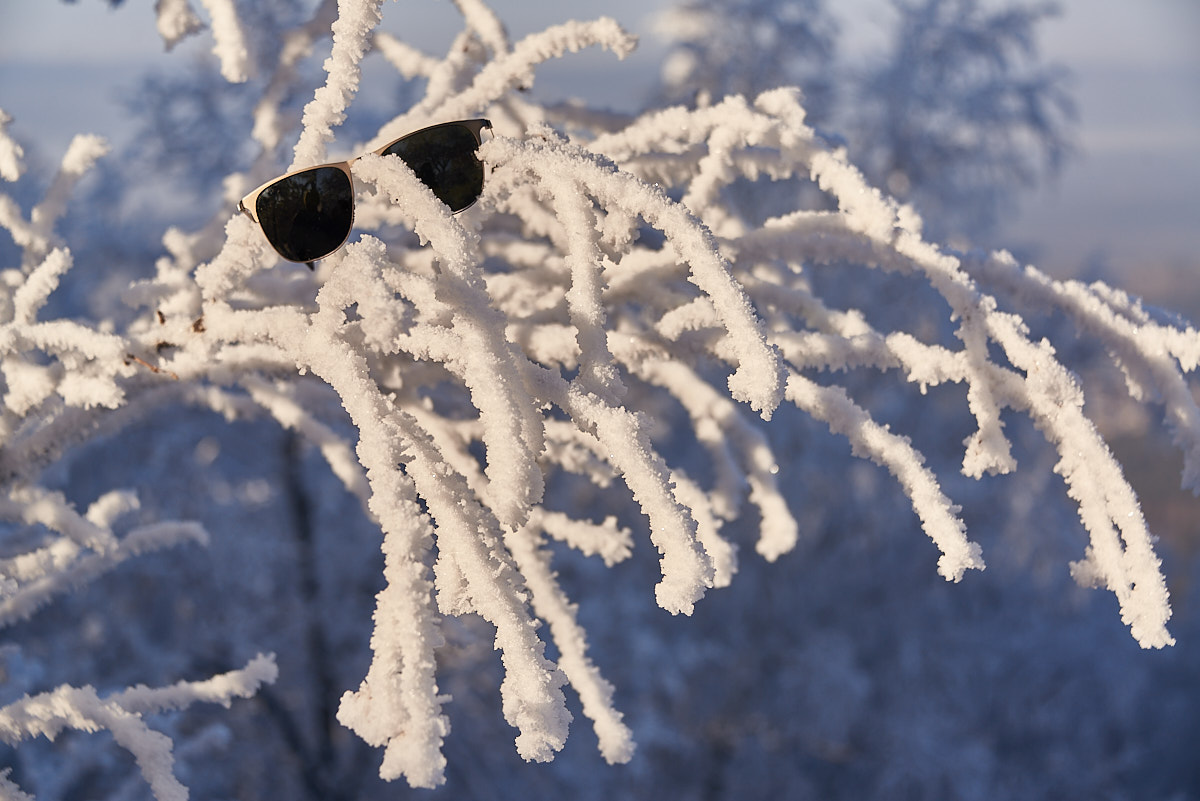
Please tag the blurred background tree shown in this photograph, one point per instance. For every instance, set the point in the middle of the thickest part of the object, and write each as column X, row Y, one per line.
column 957, row 114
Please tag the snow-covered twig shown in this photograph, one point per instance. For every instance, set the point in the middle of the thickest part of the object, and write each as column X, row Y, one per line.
column 81, row 708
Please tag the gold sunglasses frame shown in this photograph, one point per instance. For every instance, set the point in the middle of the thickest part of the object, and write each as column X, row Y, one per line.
column 247, row 205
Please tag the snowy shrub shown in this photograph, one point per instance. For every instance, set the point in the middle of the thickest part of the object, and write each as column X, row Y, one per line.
column 605, row 323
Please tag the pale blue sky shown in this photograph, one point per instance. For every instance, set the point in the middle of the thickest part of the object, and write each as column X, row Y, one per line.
column 1131, row 194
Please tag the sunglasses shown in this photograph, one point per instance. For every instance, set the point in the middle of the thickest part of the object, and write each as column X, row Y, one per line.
column 307, row 214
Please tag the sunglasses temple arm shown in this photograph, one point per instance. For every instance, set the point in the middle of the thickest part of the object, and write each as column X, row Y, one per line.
column 241, row 206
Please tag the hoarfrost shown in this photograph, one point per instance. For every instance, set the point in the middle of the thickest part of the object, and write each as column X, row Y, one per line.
column 606, row 274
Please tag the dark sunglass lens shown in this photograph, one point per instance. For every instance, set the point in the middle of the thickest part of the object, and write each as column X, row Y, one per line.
column 308, row 215
column 444, row 159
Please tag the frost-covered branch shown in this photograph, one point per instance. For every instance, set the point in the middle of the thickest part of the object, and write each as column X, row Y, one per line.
column 610, row 296
column 121, row 714
column 10, row 151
